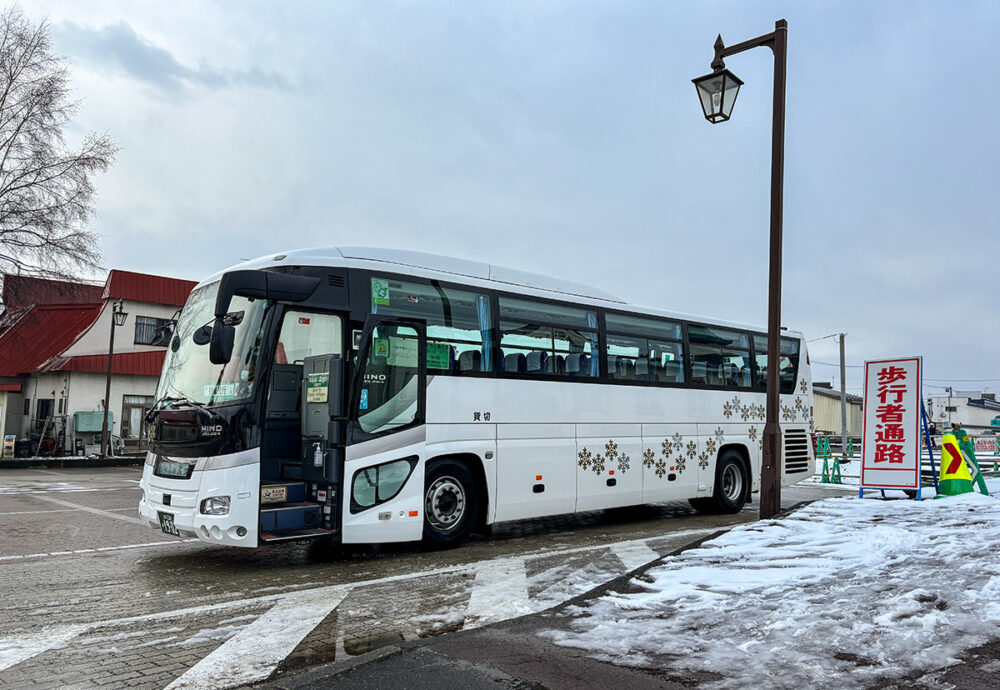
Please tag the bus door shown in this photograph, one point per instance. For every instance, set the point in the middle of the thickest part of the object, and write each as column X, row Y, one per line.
column 383, row 472
column 305, row 395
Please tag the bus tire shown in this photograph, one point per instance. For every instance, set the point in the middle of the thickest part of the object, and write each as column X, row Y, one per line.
column 732, row 486
column 451, row 504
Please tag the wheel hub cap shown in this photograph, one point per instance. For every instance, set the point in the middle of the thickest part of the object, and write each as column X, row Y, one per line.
column 444, row 503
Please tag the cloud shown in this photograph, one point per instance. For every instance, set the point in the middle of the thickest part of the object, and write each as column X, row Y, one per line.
column 120, row 47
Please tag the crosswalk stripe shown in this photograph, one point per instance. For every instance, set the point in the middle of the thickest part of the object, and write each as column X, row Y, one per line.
column 500, row 591
column 634, row 554
column 255, row 651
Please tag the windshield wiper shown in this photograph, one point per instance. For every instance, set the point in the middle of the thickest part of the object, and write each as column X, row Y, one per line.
column 174, row 400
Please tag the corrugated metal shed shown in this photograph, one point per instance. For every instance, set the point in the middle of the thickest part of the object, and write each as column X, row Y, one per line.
column 41, row 333
column 142, row 287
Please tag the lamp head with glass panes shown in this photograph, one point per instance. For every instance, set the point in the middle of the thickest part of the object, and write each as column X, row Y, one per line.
column 717, row 93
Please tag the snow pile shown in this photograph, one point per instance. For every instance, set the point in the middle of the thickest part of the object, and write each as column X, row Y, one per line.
column 846, row 591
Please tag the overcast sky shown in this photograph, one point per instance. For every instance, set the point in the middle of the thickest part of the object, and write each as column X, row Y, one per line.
column 566, row 138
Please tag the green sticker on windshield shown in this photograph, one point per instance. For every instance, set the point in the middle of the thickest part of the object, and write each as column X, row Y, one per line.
column 380, row 291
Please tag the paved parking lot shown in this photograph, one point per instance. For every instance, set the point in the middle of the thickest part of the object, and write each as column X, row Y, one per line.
column 90, row 596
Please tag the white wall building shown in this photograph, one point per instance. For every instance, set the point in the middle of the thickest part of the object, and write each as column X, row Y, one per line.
column 65, row 376
column 973, row 410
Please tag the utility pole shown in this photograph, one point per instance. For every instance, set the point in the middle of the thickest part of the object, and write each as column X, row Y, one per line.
column 843, row 401
column 949, row 406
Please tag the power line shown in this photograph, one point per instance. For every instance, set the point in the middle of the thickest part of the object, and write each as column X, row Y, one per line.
column 832, row 364
column 832, row 335
column 965, row 380
column 861, row 366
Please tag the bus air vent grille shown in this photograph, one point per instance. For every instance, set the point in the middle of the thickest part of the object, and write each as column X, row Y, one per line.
column 336, row 281
column 796, row 451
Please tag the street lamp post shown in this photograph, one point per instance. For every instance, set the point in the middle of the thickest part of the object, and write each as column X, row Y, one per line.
column 118, row 319
column 717, row 92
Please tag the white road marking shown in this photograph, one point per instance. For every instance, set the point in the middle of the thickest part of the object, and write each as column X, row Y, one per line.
column 255, row 651
column 31, row 491
column 61, row 510
column 100, row 549
column 23, row 647
column 634, row 554
column 95, row 511
column 499, row 592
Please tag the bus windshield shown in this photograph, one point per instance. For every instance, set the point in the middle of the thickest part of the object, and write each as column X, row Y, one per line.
column 188, row 372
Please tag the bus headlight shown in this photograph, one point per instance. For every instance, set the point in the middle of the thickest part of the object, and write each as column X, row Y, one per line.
column 215, row 505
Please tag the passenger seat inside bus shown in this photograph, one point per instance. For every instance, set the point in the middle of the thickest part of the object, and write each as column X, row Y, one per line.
column 470, row 360
column 537, row 362
column 671, row 371
column 515, row 363
column 578, row 364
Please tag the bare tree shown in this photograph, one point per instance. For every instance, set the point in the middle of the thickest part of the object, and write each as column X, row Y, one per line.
column 46, row 192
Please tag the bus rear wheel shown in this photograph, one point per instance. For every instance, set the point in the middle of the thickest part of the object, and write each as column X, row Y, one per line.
column 732, row 486
column 451, row 504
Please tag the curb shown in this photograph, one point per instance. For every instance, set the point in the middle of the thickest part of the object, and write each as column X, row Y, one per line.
column 31, row 463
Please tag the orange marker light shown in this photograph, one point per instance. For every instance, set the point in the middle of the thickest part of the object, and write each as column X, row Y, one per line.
column 671, row 469
column 414, row 513
column 611, row 471
column 538, row 477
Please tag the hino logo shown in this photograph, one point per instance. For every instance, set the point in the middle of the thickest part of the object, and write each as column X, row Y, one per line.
column 211, row 430
column 375, row 378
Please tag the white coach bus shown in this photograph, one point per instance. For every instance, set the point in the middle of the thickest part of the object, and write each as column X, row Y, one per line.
column 371, row 395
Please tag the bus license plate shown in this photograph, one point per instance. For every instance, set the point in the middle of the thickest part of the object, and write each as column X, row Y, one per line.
column 167, row 524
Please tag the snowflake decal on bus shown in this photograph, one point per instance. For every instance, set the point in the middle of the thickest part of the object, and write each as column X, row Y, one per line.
column 727, row 409
column 710, row 446
column 598, row 463
column 648, row 458
column 691, row 449
column 720, row 435
column 703, row 460
column 798, row 405
column 752, row 433
column 803, row 386
column 661, row 468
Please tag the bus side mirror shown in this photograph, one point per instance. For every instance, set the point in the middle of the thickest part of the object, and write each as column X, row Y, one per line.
column 220, row 347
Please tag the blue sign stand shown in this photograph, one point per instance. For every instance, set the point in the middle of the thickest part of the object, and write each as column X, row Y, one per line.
column 930, row 448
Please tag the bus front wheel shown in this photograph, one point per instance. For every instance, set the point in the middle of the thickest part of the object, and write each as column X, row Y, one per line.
column 732, row 486
column 451, row 504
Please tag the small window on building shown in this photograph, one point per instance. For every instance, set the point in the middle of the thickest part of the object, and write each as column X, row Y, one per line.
column 950, row 408
column 27, row 406
column 134, row 409
column 145, row 329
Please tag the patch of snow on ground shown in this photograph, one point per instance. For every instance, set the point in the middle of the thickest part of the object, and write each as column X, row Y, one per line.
column 845, row 591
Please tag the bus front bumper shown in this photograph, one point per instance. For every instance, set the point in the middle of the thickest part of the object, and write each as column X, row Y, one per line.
column 174, row 506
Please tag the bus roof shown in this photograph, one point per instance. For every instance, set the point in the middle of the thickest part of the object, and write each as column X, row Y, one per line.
column 428, row 265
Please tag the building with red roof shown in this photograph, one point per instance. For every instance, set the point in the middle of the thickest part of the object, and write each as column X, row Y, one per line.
column 54, row 340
